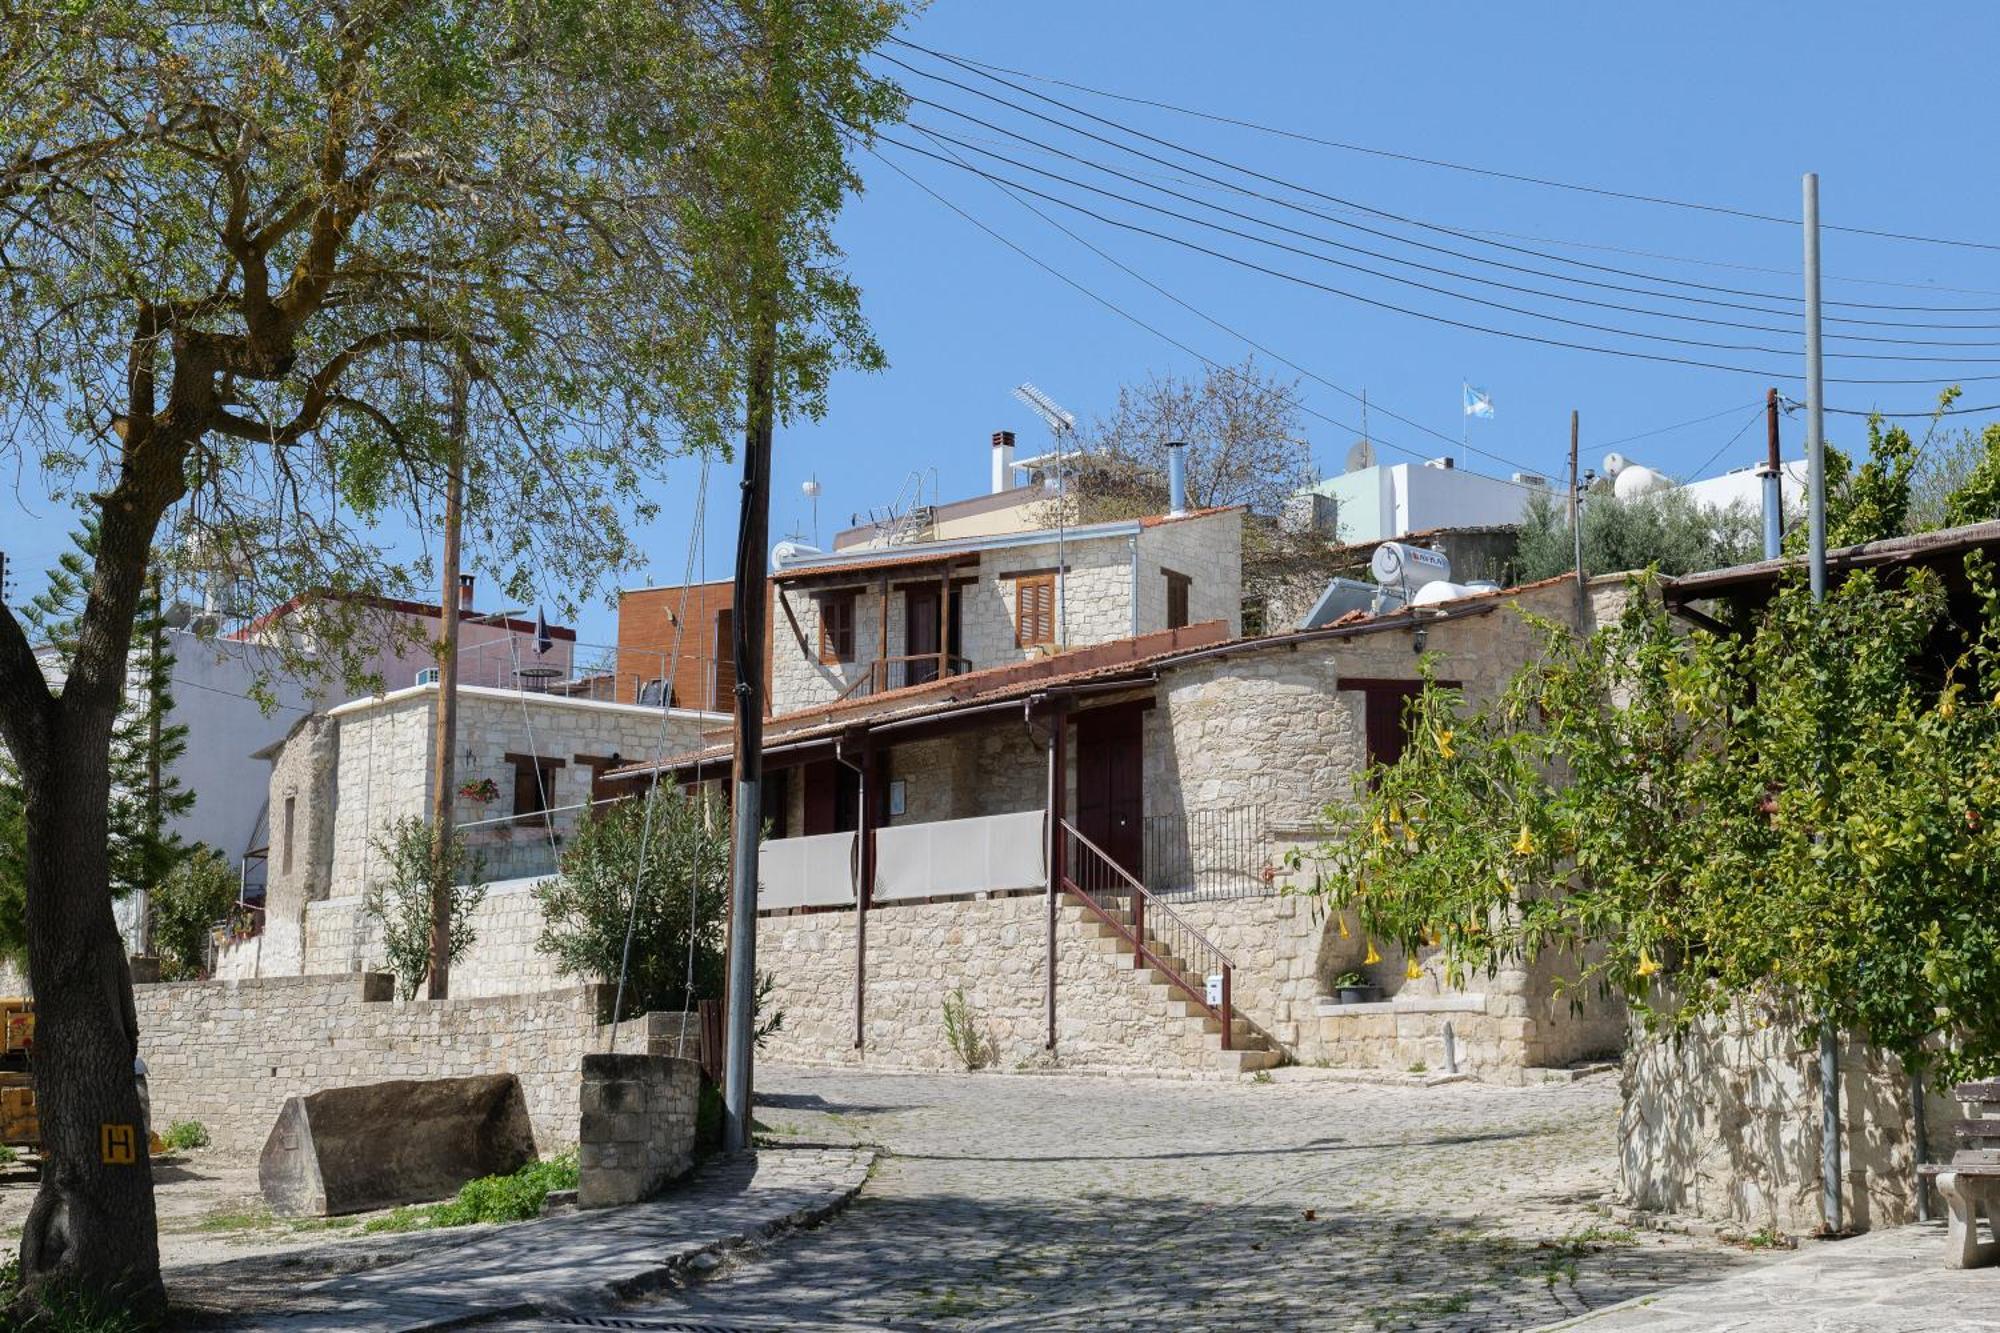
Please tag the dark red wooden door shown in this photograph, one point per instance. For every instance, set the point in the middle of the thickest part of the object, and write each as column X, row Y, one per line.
column 1110, row 792
column 921, row 624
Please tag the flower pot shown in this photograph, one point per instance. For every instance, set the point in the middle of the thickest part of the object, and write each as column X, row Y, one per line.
column 1360, row 994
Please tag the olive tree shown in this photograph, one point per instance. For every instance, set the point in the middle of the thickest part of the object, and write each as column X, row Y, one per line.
column 249, row 248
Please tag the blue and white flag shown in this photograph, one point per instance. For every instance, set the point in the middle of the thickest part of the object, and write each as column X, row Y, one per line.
column 1478, row 403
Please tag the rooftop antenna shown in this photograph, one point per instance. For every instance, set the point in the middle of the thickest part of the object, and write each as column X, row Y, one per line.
column 811, row 488
column 1062, row 425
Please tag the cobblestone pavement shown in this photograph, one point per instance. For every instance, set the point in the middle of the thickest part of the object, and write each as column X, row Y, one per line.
column 447, row 1278
column 1071, row 1203
column 1885, row 1282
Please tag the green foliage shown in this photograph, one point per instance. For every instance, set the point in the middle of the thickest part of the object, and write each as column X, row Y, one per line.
column 1976, row 497
column 962, row 1034
column 677, row 918
column 417, row 860
column 185, row 1135
column 145, row 794
column 196, row 895
column 1805, row 813
column 1667, row 531
column 489, row 1200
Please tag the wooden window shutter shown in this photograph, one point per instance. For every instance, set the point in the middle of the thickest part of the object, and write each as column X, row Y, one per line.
column 1035, row 610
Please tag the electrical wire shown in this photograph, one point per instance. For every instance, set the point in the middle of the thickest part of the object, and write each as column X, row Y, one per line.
column 1425, row 315
column 1357, row 206
column 1709, row 462
column 935, row 135
column 1518, row 177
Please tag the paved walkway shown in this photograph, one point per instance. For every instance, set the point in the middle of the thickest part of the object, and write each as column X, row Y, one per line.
column 556, row 1263
column 1055, row 1203
column 1887, row 1282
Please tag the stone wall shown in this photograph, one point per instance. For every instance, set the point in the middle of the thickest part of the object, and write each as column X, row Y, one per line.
column 228, row 1053
column 1208, row 548
column 299, row 865
column 637, row 1129
column 503, row 959
column 1725, row 1123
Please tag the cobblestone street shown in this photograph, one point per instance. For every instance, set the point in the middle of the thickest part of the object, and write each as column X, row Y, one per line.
column 1072, row 1203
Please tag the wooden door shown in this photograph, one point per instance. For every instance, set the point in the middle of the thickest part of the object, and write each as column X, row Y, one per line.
column 723, row 697
column 1110, row 793
column 921, row 625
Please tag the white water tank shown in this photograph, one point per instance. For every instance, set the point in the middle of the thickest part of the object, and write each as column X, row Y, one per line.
column 1443, row 590
column 791, row 553
column 1402, row 565
column 1635, row 480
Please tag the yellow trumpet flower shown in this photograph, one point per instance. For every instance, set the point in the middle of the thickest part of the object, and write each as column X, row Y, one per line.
column 1647, row 965
column 1444, row 741
column 1342, row 919
column 1381, row 831
column 1431, row 938
column 1413, row 969
column 1372, row 957
column 1525, row 844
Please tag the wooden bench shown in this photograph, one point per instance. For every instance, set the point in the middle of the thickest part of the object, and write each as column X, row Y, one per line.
column 1970, row 1182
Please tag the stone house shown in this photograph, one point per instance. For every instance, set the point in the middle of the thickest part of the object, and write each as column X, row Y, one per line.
column 871, row 619
column 1096, row 847
column 537, row 762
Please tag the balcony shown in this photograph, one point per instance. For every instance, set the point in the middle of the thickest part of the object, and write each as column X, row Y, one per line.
column 895, row 673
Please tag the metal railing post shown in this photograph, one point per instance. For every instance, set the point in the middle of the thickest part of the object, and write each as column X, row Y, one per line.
column 1228, row 1011
column 1139, row 929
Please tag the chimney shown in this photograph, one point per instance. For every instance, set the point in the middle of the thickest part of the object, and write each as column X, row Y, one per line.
column 1003, row 461
column 464, row 593
column 1177, row 476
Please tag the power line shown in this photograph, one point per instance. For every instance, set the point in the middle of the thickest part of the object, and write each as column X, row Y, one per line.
column 1357, row 206
column 1726, row 445
column 935, row 135
column 1495, row 173
column 1435, row 318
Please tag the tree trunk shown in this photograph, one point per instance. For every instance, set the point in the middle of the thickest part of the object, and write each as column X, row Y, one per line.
column 92, row 1227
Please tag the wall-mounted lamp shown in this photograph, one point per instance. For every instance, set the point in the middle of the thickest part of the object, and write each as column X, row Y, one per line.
column 1420, row 638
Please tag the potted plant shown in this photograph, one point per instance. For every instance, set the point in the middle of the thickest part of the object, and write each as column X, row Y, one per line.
column 484, row 791
column 1353, row 987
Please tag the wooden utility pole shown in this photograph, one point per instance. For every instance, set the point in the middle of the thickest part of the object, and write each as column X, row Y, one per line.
column 444, row 776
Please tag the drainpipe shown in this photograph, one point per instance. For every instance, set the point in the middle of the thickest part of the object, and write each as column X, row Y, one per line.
column 1177, row 477
column 1133, row 543
column 1774, row 492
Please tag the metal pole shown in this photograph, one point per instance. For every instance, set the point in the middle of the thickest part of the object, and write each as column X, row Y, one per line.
column 1815, row 403
column 748, row 604
column 444, row 775
column 1829, row 1049
column 1920, row 1143
column 1576, row 517
column 1774, row 490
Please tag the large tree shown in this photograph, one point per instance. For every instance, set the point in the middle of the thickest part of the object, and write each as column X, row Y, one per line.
column 246, row 246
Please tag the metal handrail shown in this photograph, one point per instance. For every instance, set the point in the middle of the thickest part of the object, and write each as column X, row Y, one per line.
column 1148, row 912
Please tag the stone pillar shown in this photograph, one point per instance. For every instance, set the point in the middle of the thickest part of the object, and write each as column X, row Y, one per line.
column 637, row 1128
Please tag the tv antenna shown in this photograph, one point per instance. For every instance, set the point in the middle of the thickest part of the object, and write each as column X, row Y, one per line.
column 1062, row 425
column 811, row 488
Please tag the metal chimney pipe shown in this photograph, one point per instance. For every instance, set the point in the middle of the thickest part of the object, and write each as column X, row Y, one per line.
column 1177, row 476
column 1003, row 461
column 465, row 592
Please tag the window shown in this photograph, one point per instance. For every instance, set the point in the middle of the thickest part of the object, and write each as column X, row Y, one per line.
column 534, row 782
column 1253, row 616
column 427, row 676
column 1034, row 610
column 836, row 627
column 1178, row 587
column 652, row 692
column 724, row 697
column 291, row 822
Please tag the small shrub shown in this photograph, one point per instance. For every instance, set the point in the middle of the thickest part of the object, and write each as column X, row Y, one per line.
column 961, row 1033
column 185, row 1135
column 488, row 1200
column 8, row 1156
column 402, row 902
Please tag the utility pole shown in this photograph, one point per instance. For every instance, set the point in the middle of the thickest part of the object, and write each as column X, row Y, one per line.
column 1829, row 1048
column 1576, row 520
column 1774, row 486
column 444, row 776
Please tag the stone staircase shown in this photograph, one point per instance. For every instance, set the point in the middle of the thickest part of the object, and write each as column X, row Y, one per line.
column 1248, row 1050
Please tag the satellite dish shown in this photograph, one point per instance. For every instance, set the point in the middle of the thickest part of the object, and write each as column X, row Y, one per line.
column 1360, row 454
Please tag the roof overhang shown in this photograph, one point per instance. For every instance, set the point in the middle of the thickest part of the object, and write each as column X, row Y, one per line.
column 1758, row 580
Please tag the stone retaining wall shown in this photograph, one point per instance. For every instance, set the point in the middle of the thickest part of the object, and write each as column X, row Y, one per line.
column 637, row 1129
column 1724, row 1123
column 228, row 1053
column 503, row 959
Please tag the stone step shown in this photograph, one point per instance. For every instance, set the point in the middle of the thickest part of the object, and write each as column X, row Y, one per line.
column 1245, row 1061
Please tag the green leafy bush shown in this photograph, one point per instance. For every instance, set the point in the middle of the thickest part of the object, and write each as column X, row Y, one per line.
column 490, row 1199
column 587, row 906
column 402, row 901
column 185, row 1135
column 196, row 894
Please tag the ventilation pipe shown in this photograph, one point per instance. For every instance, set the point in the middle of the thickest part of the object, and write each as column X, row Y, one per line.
column 1774, row 491
column 1003, row 461
column 1177, row 476
column 465, row 592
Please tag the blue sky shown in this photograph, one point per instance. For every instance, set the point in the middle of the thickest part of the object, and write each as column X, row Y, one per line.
column 1723, row 103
